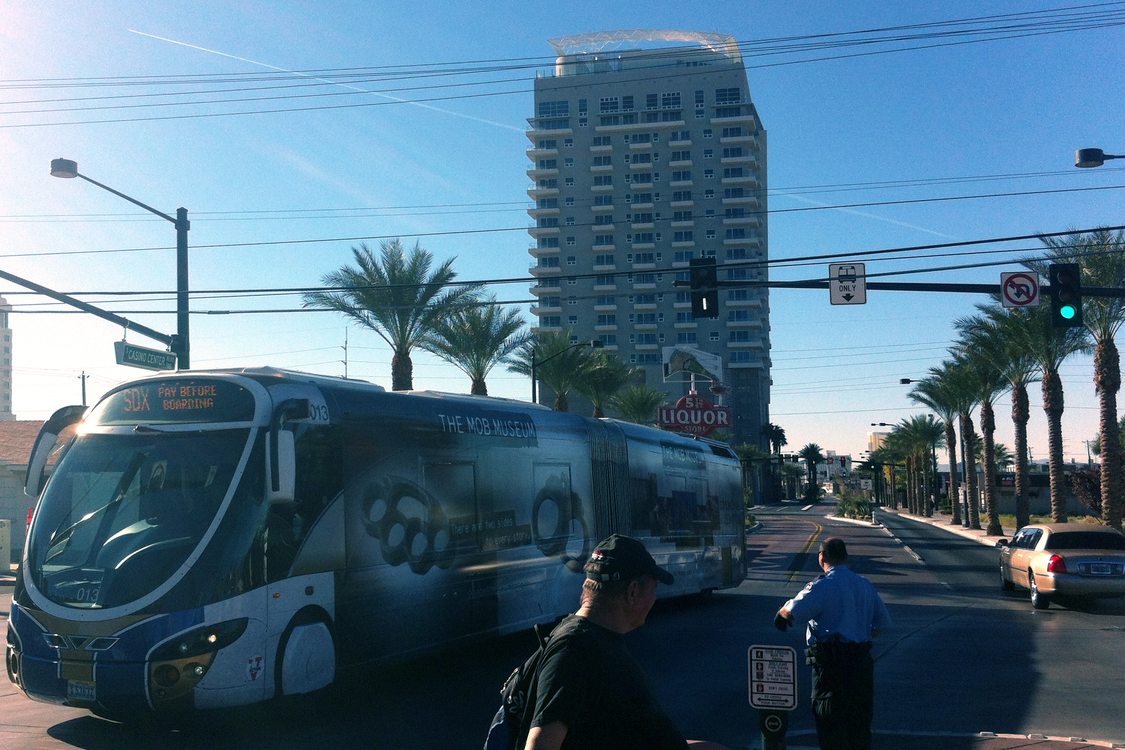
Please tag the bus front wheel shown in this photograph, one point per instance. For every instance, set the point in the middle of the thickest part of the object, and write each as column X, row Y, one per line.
column 306, row 658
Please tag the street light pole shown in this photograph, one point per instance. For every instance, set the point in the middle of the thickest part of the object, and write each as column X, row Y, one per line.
column 593, row 343
column 181, row 344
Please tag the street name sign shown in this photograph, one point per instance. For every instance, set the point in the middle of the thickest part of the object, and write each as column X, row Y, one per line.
column 1019, row 289
column 773, row 677
column 148, row 359
column 847, row 283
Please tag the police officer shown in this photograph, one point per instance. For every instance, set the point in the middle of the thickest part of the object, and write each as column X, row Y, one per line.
column 843, row 612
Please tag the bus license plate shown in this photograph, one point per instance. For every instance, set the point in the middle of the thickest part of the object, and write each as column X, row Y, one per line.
column 1101, row 569
column 80, row 690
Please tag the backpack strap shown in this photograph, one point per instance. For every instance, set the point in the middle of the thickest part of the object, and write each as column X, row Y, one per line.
column 542, row 637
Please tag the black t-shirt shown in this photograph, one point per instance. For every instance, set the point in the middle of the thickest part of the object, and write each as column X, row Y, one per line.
column 589, row 682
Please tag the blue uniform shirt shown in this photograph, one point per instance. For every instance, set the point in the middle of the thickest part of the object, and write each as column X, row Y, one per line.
column 839, row 603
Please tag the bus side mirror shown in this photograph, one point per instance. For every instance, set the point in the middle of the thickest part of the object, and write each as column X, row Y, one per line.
column 33, row 480
column 281, row 457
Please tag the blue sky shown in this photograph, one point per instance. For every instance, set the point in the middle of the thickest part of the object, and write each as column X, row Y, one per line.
column 990, row 118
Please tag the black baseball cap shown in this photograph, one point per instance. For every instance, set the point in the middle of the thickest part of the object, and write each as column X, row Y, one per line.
column 623, row 558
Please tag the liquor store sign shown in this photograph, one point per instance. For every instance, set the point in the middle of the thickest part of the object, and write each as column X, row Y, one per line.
column 694, row 415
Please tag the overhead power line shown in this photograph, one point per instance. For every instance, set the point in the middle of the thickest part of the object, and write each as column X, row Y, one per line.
column 524, row 228
column 806, row 49
column 673, row 272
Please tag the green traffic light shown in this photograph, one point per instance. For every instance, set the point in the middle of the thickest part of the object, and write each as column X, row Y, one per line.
column 1067, row 312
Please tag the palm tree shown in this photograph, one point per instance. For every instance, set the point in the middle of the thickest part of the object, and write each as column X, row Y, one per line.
column 811, row 454
column 606, row 377
column 981, row 352
column 560, row 365
column 475, row 339
column 749, row 455
column 775, row 437
column 638, row 403
column 889, row 457
column 898, row 442
column 397, row 295
column 790, row 474
column 1004, row 458
column 1050, row 348
column 1004, row 331
column 962, row 386
column 920, row 436
column 937, row 391
column 1102, row 262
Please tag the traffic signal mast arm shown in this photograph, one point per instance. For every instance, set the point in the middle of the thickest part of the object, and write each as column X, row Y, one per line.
column 909, row 286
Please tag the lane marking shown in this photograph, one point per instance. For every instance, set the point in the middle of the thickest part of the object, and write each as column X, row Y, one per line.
column 799, row 560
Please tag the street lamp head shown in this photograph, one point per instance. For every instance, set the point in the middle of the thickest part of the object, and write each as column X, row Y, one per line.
column 64, row 168
column 905, row 381
column 1092, row 157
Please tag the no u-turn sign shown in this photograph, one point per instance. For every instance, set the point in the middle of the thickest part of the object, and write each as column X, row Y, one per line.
column 1019, row 289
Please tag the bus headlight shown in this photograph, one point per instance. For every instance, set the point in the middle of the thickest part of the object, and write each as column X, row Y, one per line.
column 177, row 666
column 204, row 640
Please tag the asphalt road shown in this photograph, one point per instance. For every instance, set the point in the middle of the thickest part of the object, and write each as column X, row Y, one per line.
column 961, row 658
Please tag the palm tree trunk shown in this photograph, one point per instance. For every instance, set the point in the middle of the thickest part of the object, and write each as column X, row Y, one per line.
column 972, row 507
column 919, row 481
column 988, row 430
column 1053, row 406
column 933, row 482
column 402, row 372
column 954, row 490
column 1107, row 380
column 909, row 471
column 479, row 388
column 1021, row 412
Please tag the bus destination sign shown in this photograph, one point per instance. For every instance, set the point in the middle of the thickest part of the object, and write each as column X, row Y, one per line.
column 178, row 400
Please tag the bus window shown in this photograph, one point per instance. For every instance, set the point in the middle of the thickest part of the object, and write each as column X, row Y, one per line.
column 319, row 480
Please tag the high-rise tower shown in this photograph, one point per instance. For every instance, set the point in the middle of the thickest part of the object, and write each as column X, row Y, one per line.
column 647, row 152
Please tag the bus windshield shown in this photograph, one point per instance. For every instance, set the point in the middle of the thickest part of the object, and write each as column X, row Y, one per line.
column 123, row 512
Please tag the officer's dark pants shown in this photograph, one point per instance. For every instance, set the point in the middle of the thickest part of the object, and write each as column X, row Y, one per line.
column 843, row 697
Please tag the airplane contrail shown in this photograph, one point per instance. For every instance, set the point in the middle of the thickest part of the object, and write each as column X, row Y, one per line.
column 325, row 80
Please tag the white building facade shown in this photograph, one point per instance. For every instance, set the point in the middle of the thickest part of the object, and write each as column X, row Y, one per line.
column 646, row 152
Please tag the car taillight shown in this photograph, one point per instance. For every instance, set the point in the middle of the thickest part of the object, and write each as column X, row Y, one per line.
column 1056, row 564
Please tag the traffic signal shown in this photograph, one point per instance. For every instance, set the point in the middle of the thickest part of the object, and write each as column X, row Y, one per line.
column 1066, row 294
column 704, row 288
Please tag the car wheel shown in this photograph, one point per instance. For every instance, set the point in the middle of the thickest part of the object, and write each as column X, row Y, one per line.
column 1039, row 600
column 1005, row 583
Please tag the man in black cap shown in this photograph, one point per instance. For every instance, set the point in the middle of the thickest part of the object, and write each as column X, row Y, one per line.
column 590, row 692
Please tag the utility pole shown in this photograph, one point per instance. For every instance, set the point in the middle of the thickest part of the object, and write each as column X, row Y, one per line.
column 83, row 377
column 345, row 348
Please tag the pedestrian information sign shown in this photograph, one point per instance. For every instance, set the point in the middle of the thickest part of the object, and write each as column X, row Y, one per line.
column 773, row 677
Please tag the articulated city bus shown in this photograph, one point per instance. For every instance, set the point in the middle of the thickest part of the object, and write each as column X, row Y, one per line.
column 218, row 538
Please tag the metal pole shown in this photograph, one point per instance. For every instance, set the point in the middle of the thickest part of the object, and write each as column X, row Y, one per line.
column 534, row 395
column 183, row 338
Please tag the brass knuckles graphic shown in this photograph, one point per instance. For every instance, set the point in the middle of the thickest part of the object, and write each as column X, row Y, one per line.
column 420, row 542
column 568, row 510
